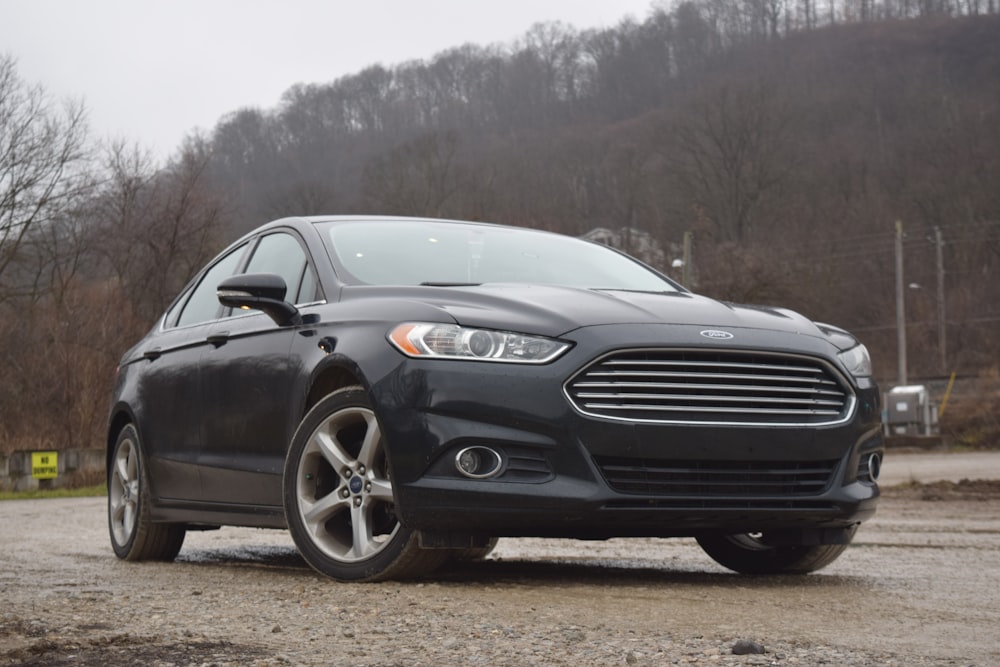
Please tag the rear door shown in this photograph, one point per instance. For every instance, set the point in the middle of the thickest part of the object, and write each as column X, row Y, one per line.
column 170, row 394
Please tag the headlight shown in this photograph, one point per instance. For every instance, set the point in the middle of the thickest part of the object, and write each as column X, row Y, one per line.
column 858, row 361
column 450, row 341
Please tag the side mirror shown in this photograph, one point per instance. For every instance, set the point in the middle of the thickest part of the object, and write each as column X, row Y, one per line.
column 259, row 291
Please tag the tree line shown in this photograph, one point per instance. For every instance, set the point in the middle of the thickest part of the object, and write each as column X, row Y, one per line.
column 785, row 137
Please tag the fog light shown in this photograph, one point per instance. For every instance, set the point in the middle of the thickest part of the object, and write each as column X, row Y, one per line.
column 468, row 461
column 874, row 466
column 478, row 462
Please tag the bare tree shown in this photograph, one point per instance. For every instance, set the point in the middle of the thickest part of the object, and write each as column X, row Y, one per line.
column 157, row 225
column 694, row 39
column 557, row 49
column 43, row 163
column 416, row 178
column 729, row 155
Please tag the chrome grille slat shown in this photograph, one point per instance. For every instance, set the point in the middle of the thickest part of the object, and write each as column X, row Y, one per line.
column 692, row 408
column 709, row 364
column 710, row 376
column 713, row 387
column 715, row 399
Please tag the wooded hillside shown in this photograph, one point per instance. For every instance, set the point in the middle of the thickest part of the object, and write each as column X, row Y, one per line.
column 787, row 138
column 789, row 157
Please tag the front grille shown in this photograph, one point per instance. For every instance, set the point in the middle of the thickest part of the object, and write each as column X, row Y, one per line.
column 718, row 479
column 715, row 387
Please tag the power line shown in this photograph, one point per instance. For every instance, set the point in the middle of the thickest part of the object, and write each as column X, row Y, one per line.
column 925, row 323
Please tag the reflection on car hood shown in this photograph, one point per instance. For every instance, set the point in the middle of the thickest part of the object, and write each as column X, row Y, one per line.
column 556, row 311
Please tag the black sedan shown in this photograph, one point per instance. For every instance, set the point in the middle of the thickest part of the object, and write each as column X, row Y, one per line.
column 400, row 392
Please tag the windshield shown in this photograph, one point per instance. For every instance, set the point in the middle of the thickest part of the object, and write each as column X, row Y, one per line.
column 415, row 252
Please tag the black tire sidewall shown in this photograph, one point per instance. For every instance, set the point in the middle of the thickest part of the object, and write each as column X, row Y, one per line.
column 730, row 552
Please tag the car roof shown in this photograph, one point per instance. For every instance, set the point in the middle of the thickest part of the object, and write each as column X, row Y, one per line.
column 315, row 219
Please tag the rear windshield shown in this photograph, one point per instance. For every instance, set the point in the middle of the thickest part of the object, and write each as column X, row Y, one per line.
column 376, row 252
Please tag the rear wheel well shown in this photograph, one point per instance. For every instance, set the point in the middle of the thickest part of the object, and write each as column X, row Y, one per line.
column 118, row 422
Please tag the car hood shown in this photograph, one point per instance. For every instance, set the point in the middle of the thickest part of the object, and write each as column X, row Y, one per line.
column 557, row 311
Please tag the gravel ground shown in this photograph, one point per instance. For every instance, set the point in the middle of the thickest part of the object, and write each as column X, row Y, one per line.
column 918, row 588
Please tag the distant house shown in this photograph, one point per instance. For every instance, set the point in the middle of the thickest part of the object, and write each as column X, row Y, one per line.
column 641, row 245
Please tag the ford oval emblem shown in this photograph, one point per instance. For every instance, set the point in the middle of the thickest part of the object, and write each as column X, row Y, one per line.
column 716, row 334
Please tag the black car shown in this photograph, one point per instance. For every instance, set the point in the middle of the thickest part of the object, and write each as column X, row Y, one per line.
column 399, row 392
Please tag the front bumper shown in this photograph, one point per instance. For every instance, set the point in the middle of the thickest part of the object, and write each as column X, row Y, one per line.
column 566, row 474
column 566, row 492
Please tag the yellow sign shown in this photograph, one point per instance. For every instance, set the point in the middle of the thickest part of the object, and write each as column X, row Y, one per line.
column 44, row 465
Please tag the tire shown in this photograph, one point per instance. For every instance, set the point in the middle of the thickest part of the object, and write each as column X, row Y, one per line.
column 466, row 554
column 134, row 536
column 338, row 496
column 748, row 554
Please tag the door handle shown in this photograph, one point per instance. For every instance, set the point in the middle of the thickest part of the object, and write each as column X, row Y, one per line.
column 152, row 354
column 218, row 339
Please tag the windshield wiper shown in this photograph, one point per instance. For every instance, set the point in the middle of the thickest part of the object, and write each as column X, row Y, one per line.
column 434, row 283
column 635, row 291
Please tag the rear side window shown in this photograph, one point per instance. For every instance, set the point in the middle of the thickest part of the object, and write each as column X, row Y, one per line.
column 203, row 304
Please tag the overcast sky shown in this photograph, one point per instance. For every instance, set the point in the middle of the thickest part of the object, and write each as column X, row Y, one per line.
column 152, row 70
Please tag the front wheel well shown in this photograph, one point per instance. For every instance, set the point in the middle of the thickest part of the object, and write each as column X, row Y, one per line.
column 329, row 381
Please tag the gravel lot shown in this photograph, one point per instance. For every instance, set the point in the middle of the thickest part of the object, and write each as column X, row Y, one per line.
column 917, row 588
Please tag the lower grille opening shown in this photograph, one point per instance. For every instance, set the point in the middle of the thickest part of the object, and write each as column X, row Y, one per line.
column 725, row 504
column 718, row 479
column 525, row 465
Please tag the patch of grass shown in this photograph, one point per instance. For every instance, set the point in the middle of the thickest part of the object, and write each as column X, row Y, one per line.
column 82, row 492
column 971, row 419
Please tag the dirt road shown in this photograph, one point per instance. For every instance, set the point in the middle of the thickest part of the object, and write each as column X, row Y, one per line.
column 917, row 588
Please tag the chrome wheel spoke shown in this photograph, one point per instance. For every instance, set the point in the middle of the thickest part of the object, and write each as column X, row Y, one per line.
column 128, row 517
column 361, row 531
column 316, row 513
column 121, row 470
column 117, row 510
column 381, row 490
column 331, row 450
column 372, row 444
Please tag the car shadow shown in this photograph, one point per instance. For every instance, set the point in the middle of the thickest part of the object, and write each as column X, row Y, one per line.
column 619, row 573
column 540, row 572
column 255, row 556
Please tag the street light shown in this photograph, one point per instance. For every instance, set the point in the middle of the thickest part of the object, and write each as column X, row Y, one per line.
column 901, row 308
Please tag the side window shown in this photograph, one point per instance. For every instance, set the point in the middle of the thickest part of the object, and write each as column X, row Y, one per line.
column 203, row 304
column 283, row 255
column 309, row 290
column 170, row 319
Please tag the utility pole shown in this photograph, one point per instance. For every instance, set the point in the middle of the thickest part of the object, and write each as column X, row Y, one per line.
column 942, row 323
column 686, row 271
column 900, row 307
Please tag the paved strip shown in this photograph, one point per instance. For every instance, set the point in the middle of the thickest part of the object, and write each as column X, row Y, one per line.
column 902, row 467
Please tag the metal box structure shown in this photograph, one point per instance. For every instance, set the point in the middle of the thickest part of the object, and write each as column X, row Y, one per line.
column 910, row 411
